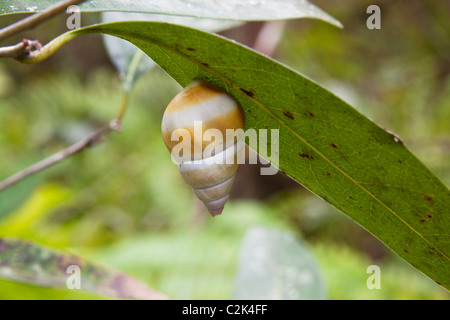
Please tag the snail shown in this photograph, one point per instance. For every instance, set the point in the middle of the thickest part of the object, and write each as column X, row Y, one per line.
column 197, row 114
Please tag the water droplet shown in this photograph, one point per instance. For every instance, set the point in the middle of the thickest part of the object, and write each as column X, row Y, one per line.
column 31, row 8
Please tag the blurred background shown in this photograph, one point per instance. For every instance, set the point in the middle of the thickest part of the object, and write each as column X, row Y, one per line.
column 122, row 204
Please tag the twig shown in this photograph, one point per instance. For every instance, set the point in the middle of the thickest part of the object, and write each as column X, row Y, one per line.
column 21, row 49
column 37, row 18
column 89, row 141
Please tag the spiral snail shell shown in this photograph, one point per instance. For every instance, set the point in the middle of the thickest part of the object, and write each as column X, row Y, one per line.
column 208, row 167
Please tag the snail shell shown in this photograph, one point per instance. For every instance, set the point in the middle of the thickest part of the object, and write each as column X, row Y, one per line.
column 210, row 174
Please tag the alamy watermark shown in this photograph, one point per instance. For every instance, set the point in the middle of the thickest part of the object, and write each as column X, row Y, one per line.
column 73, row 281
column 228, row 150
column 74, row 20
column 374, row 280
column 374, row 20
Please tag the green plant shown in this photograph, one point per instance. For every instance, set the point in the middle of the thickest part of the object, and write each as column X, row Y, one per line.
column 330, row 148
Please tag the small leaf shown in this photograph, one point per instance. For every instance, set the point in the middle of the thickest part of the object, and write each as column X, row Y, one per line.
column 274, row 265
column 32, row 264
column 245, row 10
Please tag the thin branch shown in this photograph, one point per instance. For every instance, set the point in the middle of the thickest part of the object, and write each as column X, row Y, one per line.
column 20, row 50
column 89, row 141
column 37, row 18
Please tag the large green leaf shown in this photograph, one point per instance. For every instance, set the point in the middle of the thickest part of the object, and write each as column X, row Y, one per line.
column 245, row 10
column 325, row 144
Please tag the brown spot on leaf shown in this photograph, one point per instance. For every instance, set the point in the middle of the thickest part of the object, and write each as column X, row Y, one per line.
column 305, row 155
column 310, row 114
column 288, row 114
column 428, row 199
column 430, row 216
column 191, row 49
column 328, row 174
column 406, row 251
column 247, row 92
column 334, row 146
column 205, row 64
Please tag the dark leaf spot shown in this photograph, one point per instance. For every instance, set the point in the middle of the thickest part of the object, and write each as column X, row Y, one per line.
column 428, row 199
column 334, row 146
column 406, row 251
column 288, row 114
column 430, row 216
column 205, row 64
column 310, row 114
column 247, row 92
column 191, row 49
column 329, row 175
column 305, row 155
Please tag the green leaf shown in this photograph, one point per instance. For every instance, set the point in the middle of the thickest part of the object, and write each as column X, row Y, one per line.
column 275, row 265
column 246, row 10
column 325, row 144
column 29, row 263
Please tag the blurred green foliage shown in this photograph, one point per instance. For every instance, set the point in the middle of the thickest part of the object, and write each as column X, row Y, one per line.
column 123, row 204
column 18, row 291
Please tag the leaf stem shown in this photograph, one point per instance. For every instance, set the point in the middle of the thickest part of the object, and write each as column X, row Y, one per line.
column 89, row 141
column 21, row 49
column 127, row 83
column 123, row 107
column 47, row 50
